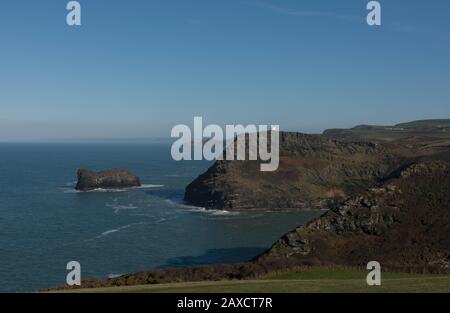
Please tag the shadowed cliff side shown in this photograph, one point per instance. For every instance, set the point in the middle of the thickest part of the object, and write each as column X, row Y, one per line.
column 404, row 222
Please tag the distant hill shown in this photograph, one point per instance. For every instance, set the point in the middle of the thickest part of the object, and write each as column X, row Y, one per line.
column 438, row 128
column 439, row 123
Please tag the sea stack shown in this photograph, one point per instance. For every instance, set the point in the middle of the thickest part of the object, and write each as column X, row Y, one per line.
column 111, row 179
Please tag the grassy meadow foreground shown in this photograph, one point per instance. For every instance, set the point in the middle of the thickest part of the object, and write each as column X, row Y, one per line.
column 314, row 280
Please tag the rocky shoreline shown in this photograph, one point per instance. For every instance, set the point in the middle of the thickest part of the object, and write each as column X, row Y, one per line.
column 403, row 223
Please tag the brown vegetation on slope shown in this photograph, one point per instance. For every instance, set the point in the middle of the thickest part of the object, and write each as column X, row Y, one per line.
column 313, row 170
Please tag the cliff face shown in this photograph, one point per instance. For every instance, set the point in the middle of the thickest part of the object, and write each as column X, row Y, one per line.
column 404, row 222
column 116, row 178
column 313, row 170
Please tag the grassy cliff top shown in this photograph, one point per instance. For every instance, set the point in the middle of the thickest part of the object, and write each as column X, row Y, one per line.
column 436, row 128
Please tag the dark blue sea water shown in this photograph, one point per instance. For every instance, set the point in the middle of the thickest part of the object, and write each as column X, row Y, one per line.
column 44, row 224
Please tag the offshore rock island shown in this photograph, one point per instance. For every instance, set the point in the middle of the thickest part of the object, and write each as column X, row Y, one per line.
column 111, row 179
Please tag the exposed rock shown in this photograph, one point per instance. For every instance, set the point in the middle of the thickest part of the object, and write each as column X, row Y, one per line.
column 404, row 223
column 116, row 178
column 314, row 170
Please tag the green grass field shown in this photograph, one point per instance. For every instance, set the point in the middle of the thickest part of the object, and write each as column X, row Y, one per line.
column 315, row 280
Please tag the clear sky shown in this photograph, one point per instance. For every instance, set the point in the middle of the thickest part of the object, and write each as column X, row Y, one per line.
column 135, row 68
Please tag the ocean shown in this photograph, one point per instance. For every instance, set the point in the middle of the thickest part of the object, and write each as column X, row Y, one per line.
column 45, row 223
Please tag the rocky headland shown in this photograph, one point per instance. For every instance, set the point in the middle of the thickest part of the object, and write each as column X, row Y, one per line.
column 314, row 170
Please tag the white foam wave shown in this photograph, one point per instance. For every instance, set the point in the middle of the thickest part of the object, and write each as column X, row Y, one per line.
column 154, row 219
column 114, row 275
column 147, row 186
column 180, row 203
column 119, row 207
column 109, row 232
column 115, row 230
column 143, row 186
column 69, row 190
column 197, row 209
column 213, row 212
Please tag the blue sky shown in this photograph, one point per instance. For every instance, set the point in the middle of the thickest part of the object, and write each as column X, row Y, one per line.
column 136, row 68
